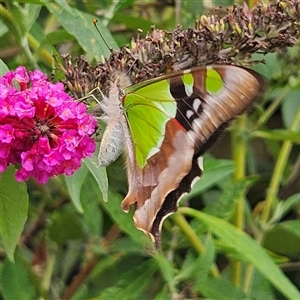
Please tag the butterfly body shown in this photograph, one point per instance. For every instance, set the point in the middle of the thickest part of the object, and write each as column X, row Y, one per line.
column 165, row 125
column 112, row 142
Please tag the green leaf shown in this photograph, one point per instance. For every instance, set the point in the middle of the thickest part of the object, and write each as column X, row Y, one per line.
column 205, row 261
column 20, row 27
column 32, row 13
column 162, row 295
column 248, row 249
column 57, row 37
column 4, row 30
column 65, row 225
column 284, row 238
column 220, row 288
column 261, row 288
column 191, row 265
column 124, row 220
column 290, row 107
column 13, row 210
column 167, row 270
column 99, row 174
column 133, row 22
column 132, row 283
column 3, row 68
column 93, row 216
column 195, row 8
column 225, row 206
column 66, row 260
column 84, row 30
column 215, row 171
column 284, row 207
column 125, row 246
column 292, row 226
column 290, row 203
column 269, row 69
column 16, row 283
column 74, row 185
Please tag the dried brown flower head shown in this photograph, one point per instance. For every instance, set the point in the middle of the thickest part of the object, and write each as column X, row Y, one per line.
column 228, row 39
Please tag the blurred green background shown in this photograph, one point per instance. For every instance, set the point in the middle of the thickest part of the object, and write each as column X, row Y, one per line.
column 76, row 246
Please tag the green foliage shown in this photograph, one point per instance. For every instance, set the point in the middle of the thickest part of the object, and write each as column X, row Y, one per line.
column 78, row 243
column 13, row 210
column 16, row 281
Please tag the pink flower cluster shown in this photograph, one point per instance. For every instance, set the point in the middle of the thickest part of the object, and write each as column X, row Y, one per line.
column 41, row 127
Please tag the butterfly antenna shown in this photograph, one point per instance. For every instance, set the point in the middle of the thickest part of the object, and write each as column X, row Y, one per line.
column 95, row 24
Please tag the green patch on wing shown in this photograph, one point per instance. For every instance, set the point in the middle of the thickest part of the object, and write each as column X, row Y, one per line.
column 148, row 109
column 188, row 80
column 213, row 82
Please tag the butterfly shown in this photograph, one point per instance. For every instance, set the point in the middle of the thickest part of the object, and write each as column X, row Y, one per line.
column 165, row 125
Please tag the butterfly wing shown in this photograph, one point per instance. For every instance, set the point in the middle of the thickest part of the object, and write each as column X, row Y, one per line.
column 171, row 121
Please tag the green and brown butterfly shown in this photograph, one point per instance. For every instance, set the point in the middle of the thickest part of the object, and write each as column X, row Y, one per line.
column 165, row 125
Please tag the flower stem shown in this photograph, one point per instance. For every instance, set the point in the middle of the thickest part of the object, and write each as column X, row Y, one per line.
column 272, row 191
column 272, row 108
column 182, row 223
column 278, row 171
column 239, row 157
